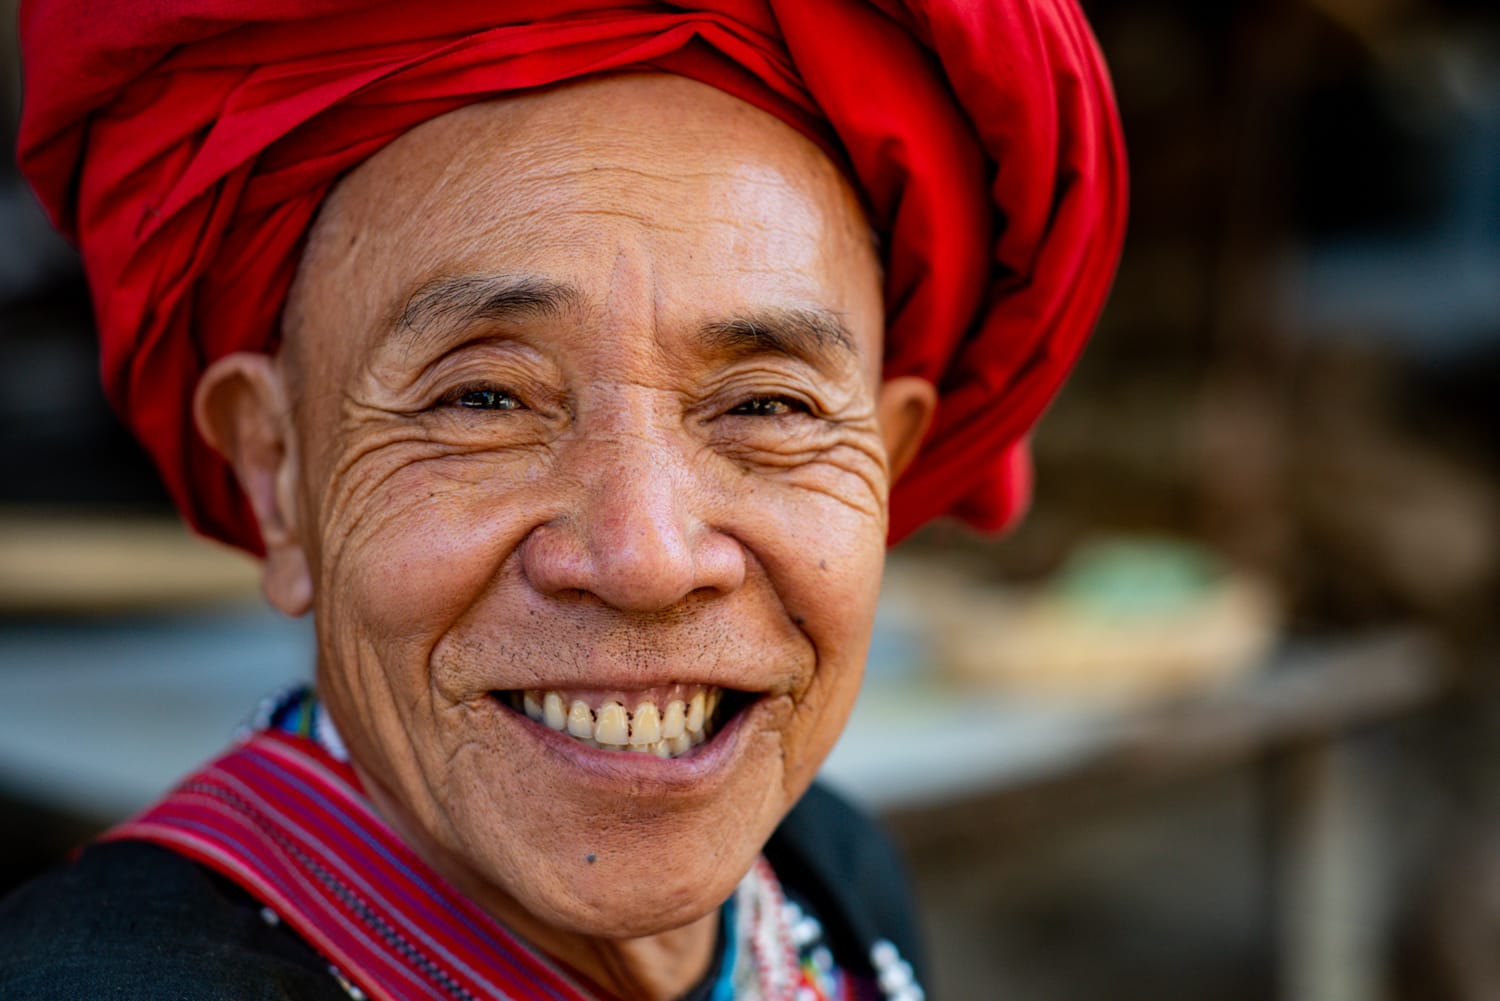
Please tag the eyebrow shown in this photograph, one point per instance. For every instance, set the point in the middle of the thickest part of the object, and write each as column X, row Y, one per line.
column 456, row 301
column 812, row 335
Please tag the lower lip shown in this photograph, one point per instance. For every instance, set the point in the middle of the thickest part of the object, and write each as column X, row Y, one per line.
column 645, row 772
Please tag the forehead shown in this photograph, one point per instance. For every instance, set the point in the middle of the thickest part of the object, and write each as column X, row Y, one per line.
column 645, row 193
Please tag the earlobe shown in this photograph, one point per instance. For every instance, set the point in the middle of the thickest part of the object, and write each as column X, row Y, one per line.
column 904, row 408
column 241, row 408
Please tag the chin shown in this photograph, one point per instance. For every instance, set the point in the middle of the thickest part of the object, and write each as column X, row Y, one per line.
column 625, row 912
column 631, row 890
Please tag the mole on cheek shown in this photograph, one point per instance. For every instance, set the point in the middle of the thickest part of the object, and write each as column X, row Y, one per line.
column 590, row 858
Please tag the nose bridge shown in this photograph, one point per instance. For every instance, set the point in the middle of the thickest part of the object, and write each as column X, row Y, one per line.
column 629, row 459
column 634, row 513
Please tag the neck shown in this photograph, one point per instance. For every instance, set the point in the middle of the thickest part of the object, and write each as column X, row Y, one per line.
column 656, row 967
column 653, row 968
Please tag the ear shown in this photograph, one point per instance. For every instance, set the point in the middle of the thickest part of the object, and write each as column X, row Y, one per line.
column 904, row 408
column 241, row 408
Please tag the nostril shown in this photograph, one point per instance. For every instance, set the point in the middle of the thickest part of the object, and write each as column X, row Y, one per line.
column 718, row 562
column 555, row 561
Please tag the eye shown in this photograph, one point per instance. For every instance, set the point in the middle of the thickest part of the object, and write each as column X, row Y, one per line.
column 769, row 406
column 486, row 399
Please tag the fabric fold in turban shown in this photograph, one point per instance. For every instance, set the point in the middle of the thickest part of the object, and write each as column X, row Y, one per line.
column 185, row 146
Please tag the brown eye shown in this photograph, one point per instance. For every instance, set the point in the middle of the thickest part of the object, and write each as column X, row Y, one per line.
column 768, row 406
column 487, row 399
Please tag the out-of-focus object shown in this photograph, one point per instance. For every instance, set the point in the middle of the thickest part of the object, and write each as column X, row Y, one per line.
column 1122, row 621
column 95, row 564
column 100, row 716
column 1408, row 527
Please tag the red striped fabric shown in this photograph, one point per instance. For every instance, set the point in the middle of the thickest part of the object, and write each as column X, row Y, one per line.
column 282, row 818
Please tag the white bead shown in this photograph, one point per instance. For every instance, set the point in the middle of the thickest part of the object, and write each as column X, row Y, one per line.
column 896, row 977
column 349, row 988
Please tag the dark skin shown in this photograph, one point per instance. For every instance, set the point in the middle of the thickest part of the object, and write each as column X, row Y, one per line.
column 581, row 391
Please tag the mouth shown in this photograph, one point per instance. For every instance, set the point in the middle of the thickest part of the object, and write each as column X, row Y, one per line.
column 668, row 721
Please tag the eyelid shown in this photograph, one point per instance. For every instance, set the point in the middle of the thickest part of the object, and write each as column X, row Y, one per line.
column 493, row 363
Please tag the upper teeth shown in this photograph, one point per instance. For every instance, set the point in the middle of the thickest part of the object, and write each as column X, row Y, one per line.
column 667, row 733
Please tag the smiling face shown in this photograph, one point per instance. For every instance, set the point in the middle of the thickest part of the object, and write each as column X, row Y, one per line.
column 584, row 471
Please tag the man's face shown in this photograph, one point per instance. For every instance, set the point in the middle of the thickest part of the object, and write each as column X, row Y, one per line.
column 584, row 392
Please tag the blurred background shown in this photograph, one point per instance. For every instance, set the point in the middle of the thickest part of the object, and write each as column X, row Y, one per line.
column 1219, row 721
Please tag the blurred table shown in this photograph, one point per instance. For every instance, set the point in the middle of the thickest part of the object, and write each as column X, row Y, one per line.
column 923, row 748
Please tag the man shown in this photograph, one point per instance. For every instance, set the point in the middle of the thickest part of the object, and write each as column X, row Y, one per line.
column 563, row 380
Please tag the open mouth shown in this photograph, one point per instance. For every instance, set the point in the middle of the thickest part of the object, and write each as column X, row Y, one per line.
column 668, row 721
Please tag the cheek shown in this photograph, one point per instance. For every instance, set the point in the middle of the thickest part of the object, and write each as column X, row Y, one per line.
column 419, row 547
column 826, row 565
column 828, row 557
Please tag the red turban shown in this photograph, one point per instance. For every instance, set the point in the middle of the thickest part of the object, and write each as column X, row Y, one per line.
column 185, row 145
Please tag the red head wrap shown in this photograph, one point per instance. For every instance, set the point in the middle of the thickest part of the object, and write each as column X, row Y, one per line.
column 186, row 145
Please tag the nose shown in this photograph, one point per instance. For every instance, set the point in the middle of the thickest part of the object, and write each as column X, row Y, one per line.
column 634, row 535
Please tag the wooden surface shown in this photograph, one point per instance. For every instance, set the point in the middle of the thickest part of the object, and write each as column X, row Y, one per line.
column 91, row 564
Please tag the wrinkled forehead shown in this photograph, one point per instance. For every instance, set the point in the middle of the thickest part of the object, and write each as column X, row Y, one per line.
column 597, row 186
